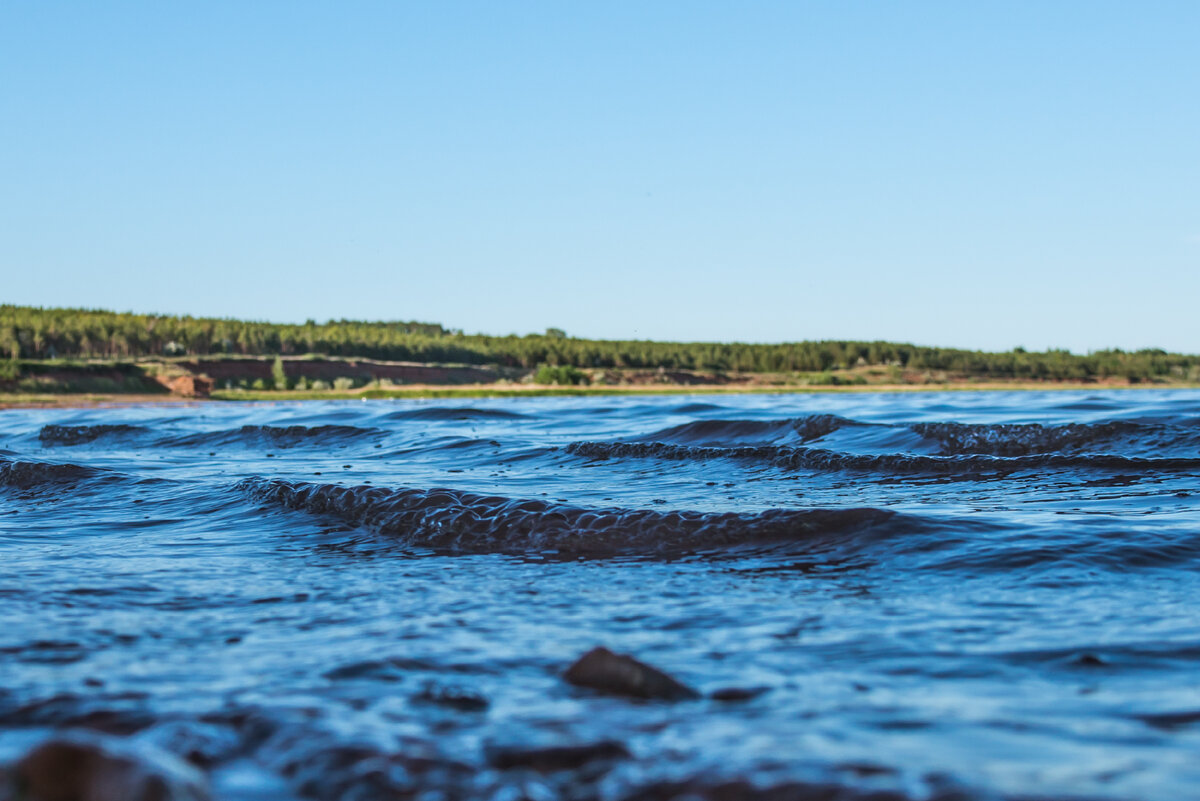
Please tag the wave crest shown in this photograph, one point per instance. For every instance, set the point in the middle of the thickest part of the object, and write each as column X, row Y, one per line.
column 451, row 520
column 284, row 436
column 1025, row 439
column 445, row 413
column 1140, row 438
column 34, row 475
column 792, row 458
column 751, row 432
column 79, row 435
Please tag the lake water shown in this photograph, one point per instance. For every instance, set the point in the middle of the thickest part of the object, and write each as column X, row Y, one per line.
column 928, row 595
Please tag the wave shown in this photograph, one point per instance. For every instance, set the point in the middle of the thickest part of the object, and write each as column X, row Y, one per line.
column 1023, row 439
column 717, row 432
column 827, row 460
column 80, row 435
column 450, row 520
column 1126, row 437
column 747, row 432
column 37, row 475
column 283, row 436
column 444, row 413
column 694, row 407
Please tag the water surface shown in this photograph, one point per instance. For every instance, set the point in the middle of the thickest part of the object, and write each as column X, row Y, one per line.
column 921, row 595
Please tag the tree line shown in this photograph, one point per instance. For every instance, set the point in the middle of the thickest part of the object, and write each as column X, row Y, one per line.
column 35, row 333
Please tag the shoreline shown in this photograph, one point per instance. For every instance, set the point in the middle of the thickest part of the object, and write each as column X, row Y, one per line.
column 433, row 392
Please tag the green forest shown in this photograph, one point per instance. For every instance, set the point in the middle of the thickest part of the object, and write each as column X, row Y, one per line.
column 30, row 333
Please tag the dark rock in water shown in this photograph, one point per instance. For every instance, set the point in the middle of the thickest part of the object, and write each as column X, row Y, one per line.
column 554, row 758
column 620, row 674
column 452, row 696
column 77, row 767
column 733, row 695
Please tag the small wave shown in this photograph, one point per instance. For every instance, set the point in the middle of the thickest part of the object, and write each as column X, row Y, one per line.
column 1112, row 655
column 888, row 463
column 80, row 435
column 284, row 436
column 749, row 432
column 35, row 475
column 457, row 443
column 776, row 455
column 816, row 426
column 443, row 413
column 1143, row 438
column 722, row 432
column 450, row 520
column 695, row 407
column 1024, row 439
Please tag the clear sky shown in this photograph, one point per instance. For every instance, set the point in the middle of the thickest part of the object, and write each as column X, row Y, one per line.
column 976, row 174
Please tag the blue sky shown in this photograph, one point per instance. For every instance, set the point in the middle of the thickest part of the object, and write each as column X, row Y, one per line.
column 969, row 174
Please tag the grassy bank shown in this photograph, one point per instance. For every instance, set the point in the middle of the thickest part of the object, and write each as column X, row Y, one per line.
column 29, row 333
column 72, row 382
column 83, row 400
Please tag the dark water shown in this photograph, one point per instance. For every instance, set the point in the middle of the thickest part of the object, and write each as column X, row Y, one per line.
column 984, row 595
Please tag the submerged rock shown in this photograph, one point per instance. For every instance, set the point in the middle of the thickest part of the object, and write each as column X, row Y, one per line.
column 620, row 674
column 89, row 767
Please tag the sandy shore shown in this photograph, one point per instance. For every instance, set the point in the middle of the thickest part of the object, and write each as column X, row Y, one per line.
column 70, row 401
